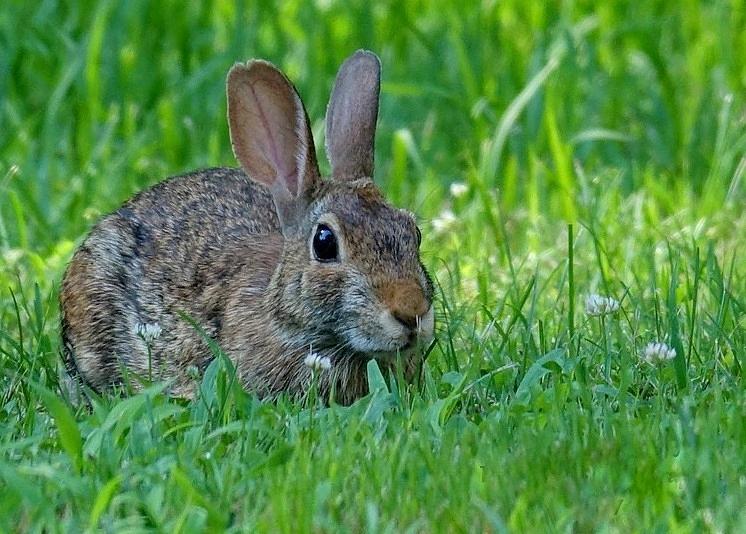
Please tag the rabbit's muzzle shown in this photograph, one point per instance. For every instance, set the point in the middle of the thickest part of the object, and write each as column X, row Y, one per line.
column 410, row 314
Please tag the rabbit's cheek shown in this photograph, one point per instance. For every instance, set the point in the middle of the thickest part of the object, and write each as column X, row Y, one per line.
column 320, row 287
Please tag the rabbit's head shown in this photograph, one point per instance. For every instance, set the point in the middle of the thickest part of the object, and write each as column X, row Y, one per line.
column 350, row 276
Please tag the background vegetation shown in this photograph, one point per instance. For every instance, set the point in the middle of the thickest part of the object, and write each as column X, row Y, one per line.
column 625, row 119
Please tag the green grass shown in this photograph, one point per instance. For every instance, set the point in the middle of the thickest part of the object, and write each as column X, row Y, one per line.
column 626, row 120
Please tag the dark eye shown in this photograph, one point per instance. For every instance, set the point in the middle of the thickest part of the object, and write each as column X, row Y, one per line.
column 419, row 235
column 325, row 244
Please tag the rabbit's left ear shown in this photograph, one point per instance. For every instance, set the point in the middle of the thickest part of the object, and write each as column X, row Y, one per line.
column 351, row 117
column 271, row 136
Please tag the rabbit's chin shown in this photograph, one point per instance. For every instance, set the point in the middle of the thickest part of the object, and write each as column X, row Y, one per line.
column 405, row 354
column 411, row 351
column 379, row 348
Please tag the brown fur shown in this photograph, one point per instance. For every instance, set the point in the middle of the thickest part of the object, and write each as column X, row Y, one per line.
column 234, row 254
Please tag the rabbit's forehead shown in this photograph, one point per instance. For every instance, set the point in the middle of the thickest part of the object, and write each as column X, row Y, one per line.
column 362, row 204
column 368, row 217
column 387, row 242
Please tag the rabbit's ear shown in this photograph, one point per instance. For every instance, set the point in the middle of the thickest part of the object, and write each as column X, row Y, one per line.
column 270, row 135
column 351, row 116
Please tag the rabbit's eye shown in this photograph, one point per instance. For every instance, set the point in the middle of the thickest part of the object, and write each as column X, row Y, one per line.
column 325, row 244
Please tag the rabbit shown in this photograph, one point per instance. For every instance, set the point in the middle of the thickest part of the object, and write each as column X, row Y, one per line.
column 270, row 261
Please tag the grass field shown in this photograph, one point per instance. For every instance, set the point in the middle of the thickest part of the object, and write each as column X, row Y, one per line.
column 596, row 148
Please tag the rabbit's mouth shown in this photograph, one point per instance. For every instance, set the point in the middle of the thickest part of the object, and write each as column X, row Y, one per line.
column 386, row 338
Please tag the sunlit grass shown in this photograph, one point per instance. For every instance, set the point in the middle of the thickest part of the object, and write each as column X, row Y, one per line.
column 599, row 150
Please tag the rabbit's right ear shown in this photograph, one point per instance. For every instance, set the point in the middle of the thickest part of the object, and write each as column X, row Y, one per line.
column 351, row 117
column 271, row 136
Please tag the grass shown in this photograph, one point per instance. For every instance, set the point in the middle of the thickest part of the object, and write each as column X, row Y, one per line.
column 602, row 147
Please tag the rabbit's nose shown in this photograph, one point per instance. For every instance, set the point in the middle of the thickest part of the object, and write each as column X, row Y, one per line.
column 407, row 303
column 410, row 321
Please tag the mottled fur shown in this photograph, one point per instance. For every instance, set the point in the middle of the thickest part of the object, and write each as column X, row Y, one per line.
column 234, row 254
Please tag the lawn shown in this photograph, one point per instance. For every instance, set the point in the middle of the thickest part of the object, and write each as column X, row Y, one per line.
column 551, row 152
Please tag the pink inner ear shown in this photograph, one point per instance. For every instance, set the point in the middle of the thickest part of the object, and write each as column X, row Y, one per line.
column 277, row 139
column 263, row 116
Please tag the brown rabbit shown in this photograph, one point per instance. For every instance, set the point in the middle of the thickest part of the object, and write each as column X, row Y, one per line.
column 271, row 261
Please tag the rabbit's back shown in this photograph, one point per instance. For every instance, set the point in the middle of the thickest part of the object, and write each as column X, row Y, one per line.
column 201, row 209
column 170, row 253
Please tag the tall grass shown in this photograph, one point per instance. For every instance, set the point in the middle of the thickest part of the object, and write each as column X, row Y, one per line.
column 602, row 147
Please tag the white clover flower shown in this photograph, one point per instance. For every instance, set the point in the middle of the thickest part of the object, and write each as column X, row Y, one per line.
column 316, row 362
column 597, row 305
column 458, row 189
column 657, row 352
column 444, row 221
column 149, row 331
